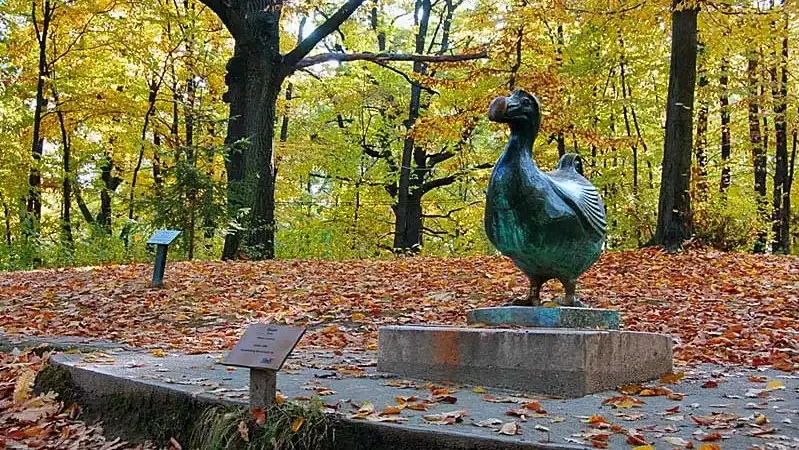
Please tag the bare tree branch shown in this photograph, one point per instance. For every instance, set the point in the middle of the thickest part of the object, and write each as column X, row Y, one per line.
column 449, row 213
column 385, row 57
column 446, row 181
column 440, row 157
column 292, row 58
column 406, row 76
column 327, row 17
column 223, row 10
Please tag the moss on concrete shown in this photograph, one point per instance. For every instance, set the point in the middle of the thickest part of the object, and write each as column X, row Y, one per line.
column 146, row 413
column 56, row 379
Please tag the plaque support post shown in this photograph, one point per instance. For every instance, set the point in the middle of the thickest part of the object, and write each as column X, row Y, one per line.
column 160, row 265
column 263, row 386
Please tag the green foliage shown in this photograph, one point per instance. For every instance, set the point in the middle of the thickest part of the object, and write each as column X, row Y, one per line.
column 730, row 222
column 193, row 202
column 91, row 250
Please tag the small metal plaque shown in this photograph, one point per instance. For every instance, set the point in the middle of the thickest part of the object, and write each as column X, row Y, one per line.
column 163, row 237
column 264, row 346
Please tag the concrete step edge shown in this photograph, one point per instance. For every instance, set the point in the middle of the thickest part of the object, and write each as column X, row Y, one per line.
column 138, row 410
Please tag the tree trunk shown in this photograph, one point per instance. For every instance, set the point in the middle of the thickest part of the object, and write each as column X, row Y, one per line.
column 66, row 156
column 34, row 200
column 559, row 138
column 151, row 98
column 701, row 126
column 261, row 240
column 255, row 74
column 701, row 151
column 236, row 79
column 674, row 224
column 725, row 128
column 782, row 195
column 110, row 184
column 634, row 143
column 188, row 113
column 264, row 79
column 408, row 218
column 7, row 217
column 758, row 150
column 284, row 123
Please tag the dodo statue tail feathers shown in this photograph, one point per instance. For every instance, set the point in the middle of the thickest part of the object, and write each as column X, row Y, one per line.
column 571, row 161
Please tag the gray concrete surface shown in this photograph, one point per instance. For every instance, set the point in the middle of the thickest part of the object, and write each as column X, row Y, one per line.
column 199, row 377
column 565, row 362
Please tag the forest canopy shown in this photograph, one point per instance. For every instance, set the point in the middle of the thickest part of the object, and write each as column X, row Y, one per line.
column 357, row 128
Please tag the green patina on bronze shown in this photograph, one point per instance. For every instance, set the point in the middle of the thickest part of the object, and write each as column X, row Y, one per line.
column 551, row 224
column 542, row 317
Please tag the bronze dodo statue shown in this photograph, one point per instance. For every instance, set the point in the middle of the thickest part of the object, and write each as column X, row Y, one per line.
column 551, row 224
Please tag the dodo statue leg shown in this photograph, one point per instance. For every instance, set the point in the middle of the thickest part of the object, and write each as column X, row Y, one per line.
column 570, row 299
column 533, row 297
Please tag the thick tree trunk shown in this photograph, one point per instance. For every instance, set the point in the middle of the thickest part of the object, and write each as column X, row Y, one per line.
column 758, row 150
column 255, row 74
column 674, row 224
column 262, row 115
column 411, row 238
column 726, row 146
column 782, row 195
column 236, row 79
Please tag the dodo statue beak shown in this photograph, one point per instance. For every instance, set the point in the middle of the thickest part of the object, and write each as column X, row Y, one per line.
column 496, row 110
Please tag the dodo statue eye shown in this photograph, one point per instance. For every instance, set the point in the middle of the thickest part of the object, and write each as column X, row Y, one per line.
column 526, row 102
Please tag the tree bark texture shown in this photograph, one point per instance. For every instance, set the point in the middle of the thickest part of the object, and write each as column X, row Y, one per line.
column 758, row 149
column 781, row 242
column 674, row 224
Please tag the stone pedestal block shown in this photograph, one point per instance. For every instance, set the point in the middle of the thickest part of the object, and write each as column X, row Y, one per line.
column 563, row 362
column 539, row 316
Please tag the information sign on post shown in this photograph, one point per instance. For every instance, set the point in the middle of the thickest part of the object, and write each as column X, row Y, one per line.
column 263, row 349
column 161, row 239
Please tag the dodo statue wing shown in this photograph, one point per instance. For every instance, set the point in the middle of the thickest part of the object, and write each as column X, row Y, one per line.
column 579, row 193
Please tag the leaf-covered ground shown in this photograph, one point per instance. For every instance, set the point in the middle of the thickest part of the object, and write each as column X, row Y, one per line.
column 720, row 307
column 42, row 421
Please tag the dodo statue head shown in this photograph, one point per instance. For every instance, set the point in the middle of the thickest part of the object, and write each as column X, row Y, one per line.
column 520, row 110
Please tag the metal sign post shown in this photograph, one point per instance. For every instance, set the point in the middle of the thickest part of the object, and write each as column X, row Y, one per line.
column 161, row 239
column 263, row 349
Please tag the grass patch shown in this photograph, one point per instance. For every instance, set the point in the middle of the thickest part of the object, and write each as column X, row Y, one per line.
column 289, row 426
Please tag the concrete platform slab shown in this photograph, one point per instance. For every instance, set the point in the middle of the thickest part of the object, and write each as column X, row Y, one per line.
column 569, row 363
column 156, row 385
column 539, row 316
